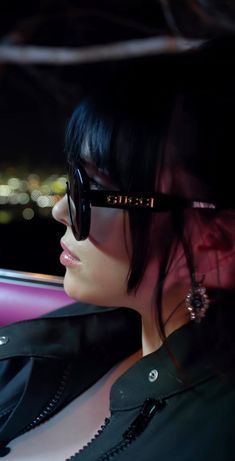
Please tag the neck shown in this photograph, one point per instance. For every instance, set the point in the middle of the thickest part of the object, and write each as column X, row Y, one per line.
column 151, row 338
column 174, row 316
column 176, row 287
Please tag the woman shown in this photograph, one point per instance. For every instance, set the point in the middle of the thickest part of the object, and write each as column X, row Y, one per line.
column 149, row 217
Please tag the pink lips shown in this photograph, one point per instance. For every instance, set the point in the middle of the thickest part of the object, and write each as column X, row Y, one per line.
column 67, row 258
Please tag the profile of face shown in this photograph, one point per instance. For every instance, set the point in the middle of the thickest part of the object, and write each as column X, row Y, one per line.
column 97, row 268
column 99, row 136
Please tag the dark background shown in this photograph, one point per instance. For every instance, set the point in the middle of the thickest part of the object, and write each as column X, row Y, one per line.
column 36, row 101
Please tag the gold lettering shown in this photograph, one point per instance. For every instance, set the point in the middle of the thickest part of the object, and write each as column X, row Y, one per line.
column 131, row 200
column 150, row 202
column 120, row 199
column 112, row 199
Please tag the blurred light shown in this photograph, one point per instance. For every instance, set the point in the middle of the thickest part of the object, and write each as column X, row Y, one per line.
column 33, row 177
column 55, row 198
column 34, row 181
column 3, row 200
column 23, row 198
column 23, row 185
column 51, row 201
column 5, row 190
column 19, row 189
column 45, row 212
column 14, row 183
column 59, row 186
column 13, row 199
column 43, row 201
column 28, row 214
column 35, row 194
column 63, row 180
column 6, row 217
column 45, row 189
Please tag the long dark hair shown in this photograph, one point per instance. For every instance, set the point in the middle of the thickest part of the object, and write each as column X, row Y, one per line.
column 149, row 115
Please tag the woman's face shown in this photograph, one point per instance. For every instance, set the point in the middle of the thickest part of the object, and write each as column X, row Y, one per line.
column 97, row 268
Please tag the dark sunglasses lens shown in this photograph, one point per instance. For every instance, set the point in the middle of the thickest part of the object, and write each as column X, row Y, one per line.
column 79, row 204
column 73, row 193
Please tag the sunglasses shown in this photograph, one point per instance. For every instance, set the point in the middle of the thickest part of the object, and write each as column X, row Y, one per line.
column 81, row 197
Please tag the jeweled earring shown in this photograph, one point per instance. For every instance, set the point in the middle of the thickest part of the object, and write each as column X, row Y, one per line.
column 197, row 301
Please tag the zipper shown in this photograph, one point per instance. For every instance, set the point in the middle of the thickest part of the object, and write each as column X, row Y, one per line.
column 98, row 433
column 51, row 406
column 147, row 411
column 149, row 408
column 46, row 413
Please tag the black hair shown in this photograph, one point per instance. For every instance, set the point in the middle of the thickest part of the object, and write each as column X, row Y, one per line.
column 174, row 112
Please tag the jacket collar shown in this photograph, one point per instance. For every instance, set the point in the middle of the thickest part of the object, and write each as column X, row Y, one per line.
column 190, row 355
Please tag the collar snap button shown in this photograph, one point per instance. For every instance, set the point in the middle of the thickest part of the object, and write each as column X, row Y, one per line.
column 3, row 340
column 153, row 375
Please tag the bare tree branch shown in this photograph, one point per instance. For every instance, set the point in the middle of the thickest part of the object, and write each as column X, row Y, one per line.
column 96, row 53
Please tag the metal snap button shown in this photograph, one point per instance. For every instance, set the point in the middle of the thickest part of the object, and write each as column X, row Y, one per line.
column 3, row 340
column 153, row 375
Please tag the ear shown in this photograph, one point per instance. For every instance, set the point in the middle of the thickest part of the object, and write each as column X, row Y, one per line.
column 213, row 242
column 214, row 253
column 217, row 234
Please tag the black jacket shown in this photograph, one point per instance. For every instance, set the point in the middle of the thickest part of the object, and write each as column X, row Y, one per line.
column 48, row 361
column 176, row 404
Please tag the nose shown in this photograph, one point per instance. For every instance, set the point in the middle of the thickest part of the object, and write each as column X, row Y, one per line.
column 60, row 211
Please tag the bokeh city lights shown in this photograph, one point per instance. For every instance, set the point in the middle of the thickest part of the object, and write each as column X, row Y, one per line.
column 25, row 194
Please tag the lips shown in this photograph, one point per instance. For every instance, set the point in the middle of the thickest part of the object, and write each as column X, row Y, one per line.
column 67, row 258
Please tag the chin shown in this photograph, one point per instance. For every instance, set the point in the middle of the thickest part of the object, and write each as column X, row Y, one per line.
column 82, row 292
column 71, row 288
column 76, row 290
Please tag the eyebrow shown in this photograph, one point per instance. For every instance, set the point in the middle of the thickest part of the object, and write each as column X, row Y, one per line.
column 89, row 163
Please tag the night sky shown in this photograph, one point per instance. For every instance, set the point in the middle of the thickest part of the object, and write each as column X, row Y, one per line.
column 36, row 101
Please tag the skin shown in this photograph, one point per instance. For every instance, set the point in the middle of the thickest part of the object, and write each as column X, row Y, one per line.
column 101, row 275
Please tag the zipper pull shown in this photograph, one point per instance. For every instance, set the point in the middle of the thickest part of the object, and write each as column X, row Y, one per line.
column 4, row 451
column 148, row 410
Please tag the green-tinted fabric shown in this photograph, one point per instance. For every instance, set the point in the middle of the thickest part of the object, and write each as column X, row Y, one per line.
column 194, row 379
column 48, row 361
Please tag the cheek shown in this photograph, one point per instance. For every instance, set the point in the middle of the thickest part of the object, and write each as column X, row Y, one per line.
column 102, row 283
column 104, row 220
column 102, row 276
column 110, row 232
